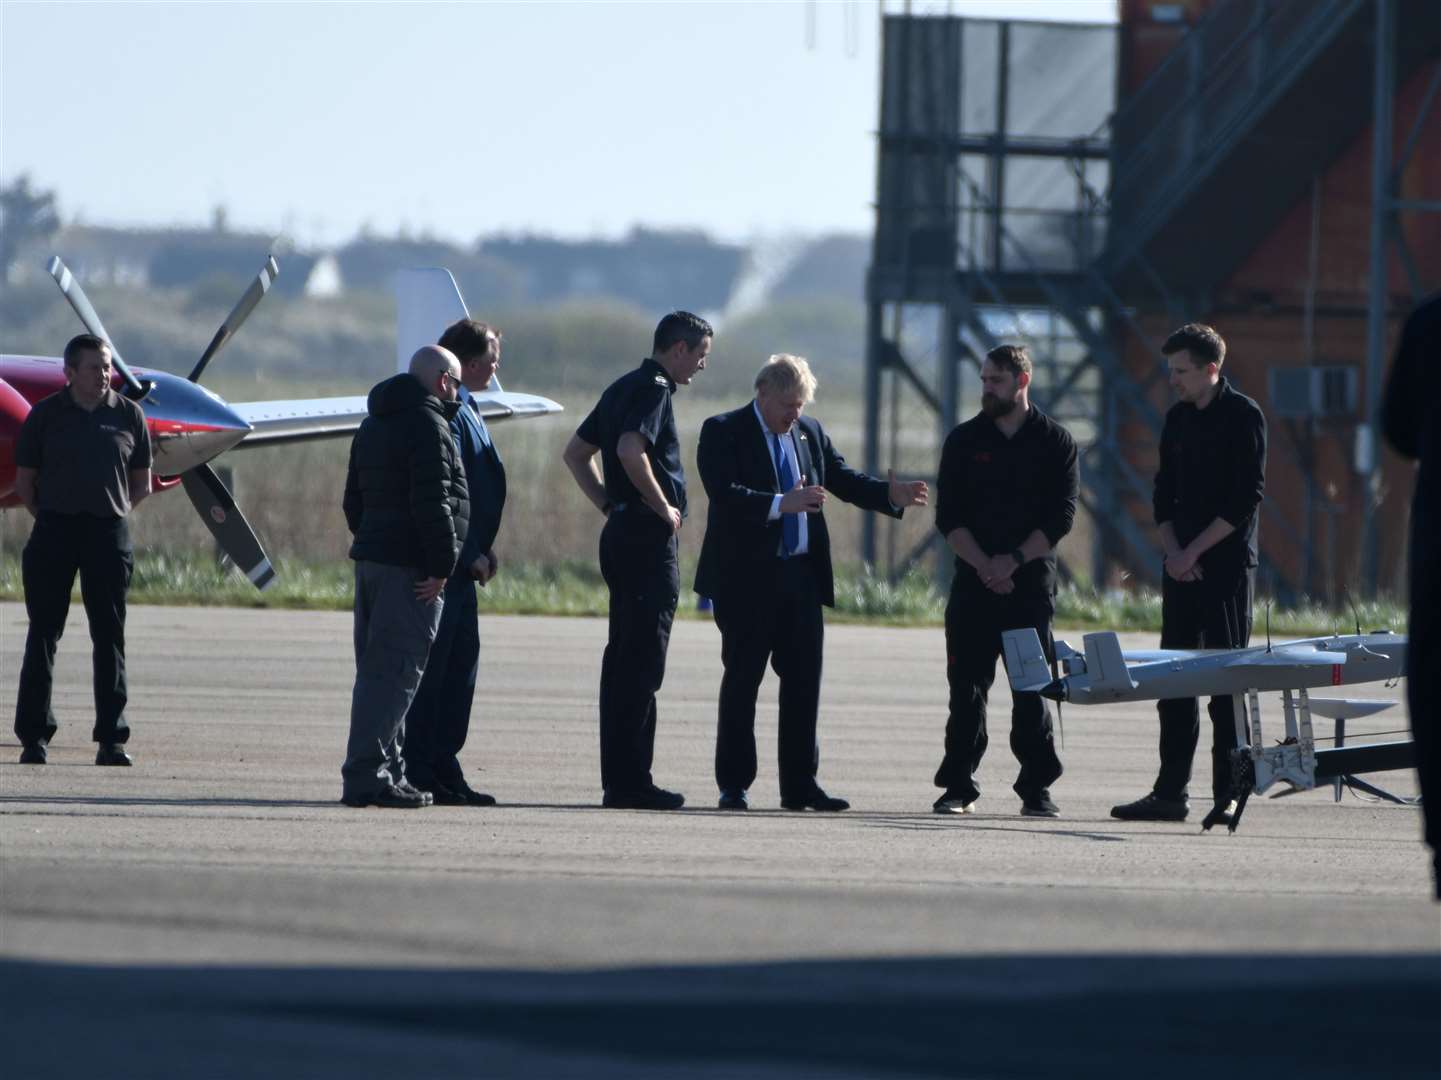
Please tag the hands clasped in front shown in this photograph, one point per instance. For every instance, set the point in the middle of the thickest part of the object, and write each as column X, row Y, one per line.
column 998, row 573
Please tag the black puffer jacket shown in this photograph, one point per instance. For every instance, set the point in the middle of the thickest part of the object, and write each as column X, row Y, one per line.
column 405, row 492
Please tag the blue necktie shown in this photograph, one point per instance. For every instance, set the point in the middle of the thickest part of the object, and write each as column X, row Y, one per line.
column 790, row 523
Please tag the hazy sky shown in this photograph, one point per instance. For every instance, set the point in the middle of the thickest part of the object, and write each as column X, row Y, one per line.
column 572, row 119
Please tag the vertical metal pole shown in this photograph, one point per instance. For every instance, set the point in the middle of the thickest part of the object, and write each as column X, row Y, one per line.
column 873, row 419
column 1381, row 122
column 998, row 159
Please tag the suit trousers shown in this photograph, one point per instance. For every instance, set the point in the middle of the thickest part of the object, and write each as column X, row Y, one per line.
column 99, row 550
column 1207, row 614
column 975, row 620
column 439, row 718
column 393, row 632
column 775, row 619
column 639, row 564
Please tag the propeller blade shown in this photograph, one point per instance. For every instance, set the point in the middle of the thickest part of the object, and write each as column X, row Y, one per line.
column 81, row 303
column 216, row 507
column 253, row 295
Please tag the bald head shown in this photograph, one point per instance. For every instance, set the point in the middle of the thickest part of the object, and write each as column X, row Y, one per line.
column 437, row 369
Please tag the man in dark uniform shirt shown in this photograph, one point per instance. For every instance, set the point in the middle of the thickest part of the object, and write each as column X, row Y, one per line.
column 1207, row 502
column 1410, row 419
column 1005, row 496
column 82, row 462
column 641, row 492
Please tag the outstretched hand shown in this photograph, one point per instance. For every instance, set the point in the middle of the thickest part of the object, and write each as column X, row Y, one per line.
column 905, row 493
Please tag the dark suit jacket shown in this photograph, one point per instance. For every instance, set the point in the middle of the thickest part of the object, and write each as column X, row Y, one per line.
column 485, row 478
column 737, row 470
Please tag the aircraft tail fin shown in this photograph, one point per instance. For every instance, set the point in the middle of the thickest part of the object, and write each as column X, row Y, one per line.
column 1026, row 662
column 1105, row 665
column 427, row 300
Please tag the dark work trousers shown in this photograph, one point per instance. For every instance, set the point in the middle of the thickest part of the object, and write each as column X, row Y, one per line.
column 776, row 620
column 393, row 633
column 975, row 620
column 439, row 718
column 1206, row 614
column 99, row 549
column 639, row 564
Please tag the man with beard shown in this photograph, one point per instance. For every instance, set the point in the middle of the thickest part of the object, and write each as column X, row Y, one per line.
column 1207, row 502
column 1005, row 496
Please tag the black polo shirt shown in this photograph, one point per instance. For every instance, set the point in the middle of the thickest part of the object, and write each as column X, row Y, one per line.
column 83, row 458
column 1213, row 465
column 640, row 401
column 1003, row 489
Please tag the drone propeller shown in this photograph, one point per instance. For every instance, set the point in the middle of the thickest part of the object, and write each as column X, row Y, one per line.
column 216, row 507
column 253, row 295
column 134, row 388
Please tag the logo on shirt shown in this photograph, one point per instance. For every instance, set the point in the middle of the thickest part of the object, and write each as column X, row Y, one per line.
column 982, row 457
column 661, row 380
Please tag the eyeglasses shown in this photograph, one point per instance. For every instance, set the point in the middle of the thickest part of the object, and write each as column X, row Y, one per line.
column 452, row 378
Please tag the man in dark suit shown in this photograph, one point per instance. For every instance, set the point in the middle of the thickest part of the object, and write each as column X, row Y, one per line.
column 766, row 564
column 439, row 717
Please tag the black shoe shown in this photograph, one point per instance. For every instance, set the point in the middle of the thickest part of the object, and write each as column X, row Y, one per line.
column 1152, row 808
column 112, row 754
column 473, row 797
column 390, row 797
column 1039, row 805
column 650, row 798
column 1223, row 813
column 444, row 796
column 816, row 800
column 955, row 802
column 33, row 754
column 734, row 800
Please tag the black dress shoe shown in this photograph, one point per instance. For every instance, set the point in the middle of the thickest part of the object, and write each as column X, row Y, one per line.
column 651, row 798
column 733, row 800
column 33, row 754
column 816, row 800
column 112, row 754
column 473, row 797
column 444, row 796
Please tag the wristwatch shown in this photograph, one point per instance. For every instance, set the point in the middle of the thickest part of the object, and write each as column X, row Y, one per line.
column 1019, row 557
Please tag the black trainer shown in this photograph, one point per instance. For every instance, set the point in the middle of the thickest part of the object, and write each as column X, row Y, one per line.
column 733, row 800
column 1039, row 805
column 1152, row 808
column 955, row 802
column 649, row 798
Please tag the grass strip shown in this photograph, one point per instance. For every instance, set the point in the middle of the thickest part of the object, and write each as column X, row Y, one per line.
column 575, row 588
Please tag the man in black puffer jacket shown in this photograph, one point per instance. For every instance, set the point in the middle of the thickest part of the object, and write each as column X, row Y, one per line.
column 407, row 506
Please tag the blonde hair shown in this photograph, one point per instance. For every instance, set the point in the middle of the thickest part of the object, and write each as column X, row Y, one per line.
column 785, row 373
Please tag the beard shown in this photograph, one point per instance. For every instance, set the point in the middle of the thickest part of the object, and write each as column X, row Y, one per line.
column 995, row 407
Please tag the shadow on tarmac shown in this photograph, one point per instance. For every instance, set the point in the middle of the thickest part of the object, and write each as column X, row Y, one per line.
column 1031, row 1016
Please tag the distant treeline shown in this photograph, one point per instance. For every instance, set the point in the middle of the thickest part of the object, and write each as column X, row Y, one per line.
column 336, row 345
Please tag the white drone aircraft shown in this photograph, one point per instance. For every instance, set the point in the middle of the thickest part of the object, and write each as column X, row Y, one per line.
column 1102, row 672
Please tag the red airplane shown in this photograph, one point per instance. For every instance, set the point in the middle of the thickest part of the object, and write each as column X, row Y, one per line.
column 190, row 426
